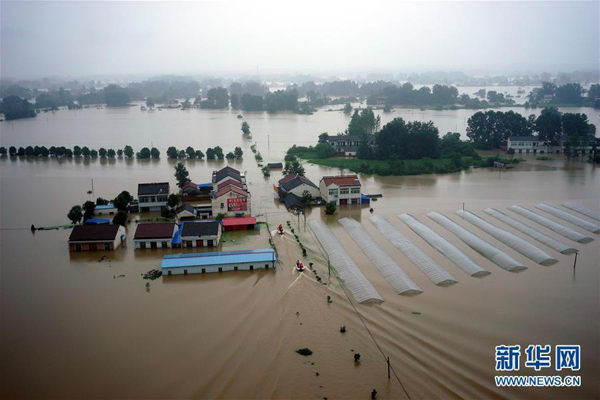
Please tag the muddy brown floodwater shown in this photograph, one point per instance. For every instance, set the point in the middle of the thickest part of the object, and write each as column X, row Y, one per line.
column 76, row 327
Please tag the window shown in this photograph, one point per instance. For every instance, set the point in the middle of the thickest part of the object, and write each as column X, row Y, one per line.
column 203, row 270
column 251, row 267
column 235, row 268
column 344, row 191
column 355, row 190
column 143, row 199
column 185, row 271
column 333, row 192
column 169, row 273
column 161, row 198
column 153, row 245
column 77, row 247
column 220, row 269
column 164, row 245
column 266, row 266
column 142, row 245
column 107, row 246
column 222, row 206
column 188, row 243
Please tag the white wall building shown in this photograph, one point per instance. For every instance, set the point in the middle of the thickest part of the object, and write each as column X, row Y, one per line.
column 154, row 236
column 344, row 189
column 200, row 234
column 153, row 196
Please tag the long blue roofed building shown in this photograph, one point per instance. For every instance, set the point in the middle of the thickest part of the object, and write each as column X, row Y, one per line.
column 201, row 263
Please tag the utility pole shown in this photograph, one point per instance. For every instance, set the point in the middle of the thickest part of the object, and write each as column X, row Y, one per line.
column 575, row 261
column 388, row 362
column 93, row 188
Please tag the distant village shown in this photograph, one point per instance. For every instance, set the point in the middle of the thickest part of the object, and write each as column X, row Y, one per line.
column 205, row 212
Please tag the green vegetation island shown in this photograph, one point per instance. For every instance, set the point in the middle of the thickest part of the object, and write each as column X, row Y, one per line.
column 414, row 148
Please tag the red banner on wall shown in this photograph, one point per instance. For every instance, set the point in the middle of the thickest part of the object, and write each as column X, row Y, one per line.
column 237, row 204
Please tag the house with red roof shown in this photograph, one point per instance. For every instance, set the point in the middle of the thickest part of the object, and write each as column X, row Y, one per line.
column 231, row 201
column 341, row 190
column 154, row 235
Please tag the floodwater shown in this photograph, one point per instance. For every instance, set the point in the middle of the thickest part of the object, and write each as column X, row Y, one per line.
column 76, row 327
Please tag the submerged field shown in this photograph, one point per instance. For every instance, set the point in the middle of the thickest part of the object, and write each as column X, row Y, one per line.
column 76, row 327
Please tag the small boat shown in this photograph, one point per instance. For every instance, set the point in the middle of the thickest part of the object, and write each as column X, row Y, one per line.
column 299, row 266
column 280, row 229
column 143, row 108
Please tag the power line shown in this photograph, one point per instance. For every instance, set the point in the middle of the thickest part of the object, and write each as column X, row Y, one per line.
column 361, row 318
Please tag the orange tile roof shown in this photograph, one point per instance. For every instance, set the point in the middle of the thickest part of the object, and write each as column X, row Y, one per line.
column 342, row 180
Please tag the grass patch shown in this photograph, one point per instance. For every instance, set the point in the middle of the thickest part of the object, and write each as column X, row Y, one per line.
column 411, row 167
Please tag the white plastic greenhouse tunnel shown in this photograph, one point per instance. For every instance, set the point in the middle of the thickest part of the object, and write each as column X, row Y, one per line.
column 582, row 210
column 430, row 268
column 512, row 241
column 548, row 223
column 391, row 271
column 565, row 216
column 529, row 231
column 362, row 290
column 494, row 254
column 446, row 248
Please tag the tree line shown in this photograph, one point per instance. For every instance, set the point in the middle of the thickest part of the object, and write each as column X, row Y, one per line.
column 567, row 94
column 77, row 151
column 488, row 130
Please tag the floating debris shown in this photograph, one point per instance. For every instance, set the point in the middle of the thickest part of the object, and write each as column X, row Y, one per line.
column 153, row 274
column 304, row 352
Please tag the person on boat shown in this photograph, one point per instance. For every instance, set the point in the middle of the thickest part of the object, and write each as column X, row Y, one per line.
column 280, row 229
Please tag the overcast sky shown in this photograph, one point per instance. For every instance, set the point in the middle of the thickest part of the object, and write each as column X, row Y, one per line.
column 78, row 39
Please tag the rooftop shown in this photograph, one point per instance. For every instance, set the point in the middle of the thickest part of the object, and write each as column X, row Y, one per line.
column 154, row 231
column 296, row 181
column 201, row 228
column 239, row 221
column 217, row 258
column 87, row 233
column 148, row 189
column 185, row 207
column 227, row 172
column 292, row 201
column 106, row 207
column 230, row 182
column 342, row 180
column 228, row 189
column 524, row 139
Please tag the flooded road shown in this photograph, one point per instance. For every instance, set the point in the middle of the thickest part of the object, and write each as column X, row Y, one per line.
column 76, row 327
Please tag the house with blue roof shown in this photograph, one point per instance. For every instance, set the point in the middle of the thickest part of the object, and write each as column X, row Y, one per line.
column 203, row 263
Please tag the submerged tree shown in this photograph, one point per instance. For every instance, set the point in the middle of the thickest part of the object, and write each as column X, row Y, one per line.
column 245, row 127
column 75, row 214
column 181, row 175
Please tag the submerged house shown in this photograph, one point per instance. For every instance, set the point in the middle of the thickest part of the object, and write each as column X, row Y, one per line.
column 238, row 224
column 96, row 237
column 108, row 209
column 186, row 212
column 297, row 185
column 231, row 201
column 153, row 196
column 343, row 189
column 524, row 144
column 347, row 145
column 227, row 173
column 201, row 263
column 200, row 234
column 154, row 236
